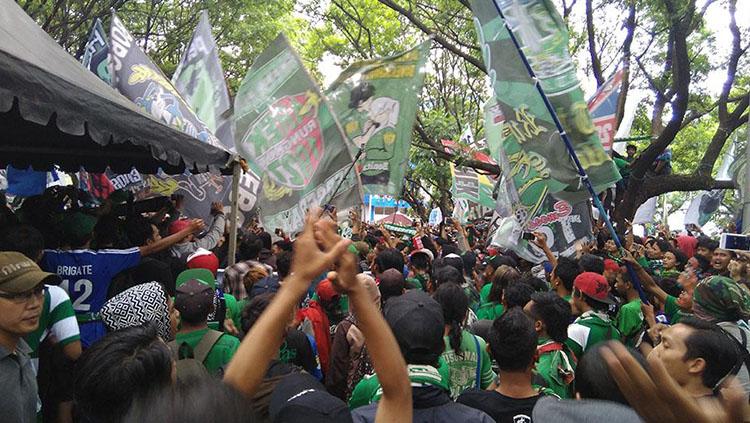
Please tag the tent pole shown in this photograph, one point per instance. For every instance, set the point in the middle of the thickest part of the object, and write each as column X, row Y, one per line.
column 236, row 175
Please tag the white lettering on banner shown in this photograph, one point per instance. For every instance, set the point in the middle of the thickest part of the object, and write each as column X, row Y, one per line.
column 125, row 179
column 121, row 42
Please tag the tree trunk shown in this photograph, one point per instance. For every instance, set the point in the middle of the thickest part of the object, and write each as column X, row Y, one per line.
column 630, row 28
column 596, row 66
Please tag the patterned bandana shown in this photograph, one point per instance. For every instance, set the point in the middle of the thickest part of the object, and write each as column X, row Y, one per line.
column 135, row 306
column 721, row 299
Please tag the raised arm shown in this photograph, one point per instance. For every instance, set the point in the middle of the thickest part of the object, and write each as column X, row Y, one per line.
column 196, row 225
column 540, row 240
column 250, row 363
column 647, row 281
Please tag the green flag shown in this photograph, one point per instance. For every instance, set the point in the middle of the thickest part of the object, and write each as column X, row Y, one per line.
column 285, row 126
column 538, row 162
column 376, row 102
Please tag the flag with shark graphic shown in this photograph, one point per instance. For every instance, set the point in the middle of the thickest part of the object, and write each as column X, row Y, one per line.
column 96, row 53
column 200, row 79
column 285, row 126
column 376, row 103
column 140, row 80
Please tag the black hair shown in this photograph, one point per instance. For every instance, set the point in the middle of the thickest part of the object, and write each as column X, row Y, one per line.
column 455, row 304
column 670, row 286
column 591, row 263
column 427, row 243
column 420, row 261
column 456, row 262
column 253, row 309
column 448, row 274
column 594, row 380
column 513, row 340
column 470, row 260
column 681, row 259
column 250, row 247
column 567, row 269
column 503, row 261
column 360, row 93
column 201, row 399
column 500, row 281
column 283, row 245
column 265, row 240
column 706, row 242
column 138, row 230
column 24, row 239
column 703, row 262
column 662, row 243
column 390, row 258
column 709, row 342
column 537, row 284
column 554, row 312
column 631, row 147
column 517, row 294
column 124, row 365
column 284, row 264
column 450, row 248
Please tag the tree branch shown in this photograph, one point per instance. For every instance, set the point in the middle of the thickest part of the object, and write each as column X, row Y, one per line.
column 596, row 66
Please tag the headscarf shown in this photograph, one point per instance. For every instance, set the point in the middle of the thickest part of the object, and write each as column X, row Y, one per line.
column 719, row 298
column 135, row 306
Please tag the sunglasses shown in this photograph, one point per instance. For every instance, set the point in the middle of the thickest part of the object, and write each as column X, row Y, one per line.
column 23, row 297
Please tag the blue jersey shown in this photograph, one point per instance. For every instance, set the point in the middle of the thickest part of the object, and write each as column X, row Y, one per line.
column 86, row 276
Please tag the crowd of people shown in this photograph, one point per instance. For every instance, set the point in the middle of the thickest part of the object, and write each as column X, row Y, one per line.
column 108, row 314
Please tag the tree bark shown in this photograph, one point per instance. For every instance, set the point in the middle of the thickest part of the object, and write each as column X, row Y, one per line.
column 628, row 42
column 596, row 66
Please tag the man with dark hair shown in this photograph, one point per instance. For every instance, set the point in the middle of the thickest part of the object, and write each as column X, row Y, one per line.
column 591, row 263
column 418, row 325
column 512, row 343
column 629, row 320
column 391, row 284
column 195, row 301
column 656, row 248
column 517, row 294
column 419, row 268
column 563, row 276
column 630, row 150
column 446, row 274
column 590, row 300
column 283, row 264
column 555, row 364
column 281, row 245
column 706, row 247
column 697, row 354
column 389, row 258
column 249, row 248
column 720, row 261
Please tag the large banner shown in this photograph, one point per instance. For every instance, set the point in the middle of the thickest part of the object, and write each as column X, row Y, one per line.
column 376, row 102
column 603, row 108
column 96, row 54
column 200, row 79
column 469, row 185
column 285, row 126
column 538, row 159
column 140, row 80
column 705, row 204
column 198, row 191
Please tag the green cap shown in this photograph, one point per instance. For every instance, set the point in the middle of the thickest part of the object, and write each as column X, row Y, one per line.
column 78, row 224
column 19, row 273
column 201, row 275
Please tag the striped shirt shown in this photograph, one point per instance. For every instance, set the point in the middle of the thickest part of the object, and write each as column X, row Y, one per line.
column 57, row 321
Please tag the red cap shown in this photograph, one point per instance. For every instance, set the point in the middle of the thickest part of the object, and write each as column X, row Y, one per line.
column 203, row 259
column 594, row 286
column 178, row 225
column 326, row 292
column 611, row 265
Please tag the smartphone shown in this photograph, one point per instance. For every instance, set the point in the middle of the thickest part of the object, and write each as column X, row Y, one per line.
column 734, row 242
column 528, row 236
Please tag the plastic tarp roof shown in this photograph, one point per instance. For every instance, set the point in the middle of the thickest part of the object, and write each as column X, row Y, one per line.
column 54, row 111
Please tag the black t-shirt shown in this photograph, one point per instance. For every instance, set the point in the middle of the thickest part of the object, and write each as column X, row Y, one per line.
column 501, row 408
column 297, row 350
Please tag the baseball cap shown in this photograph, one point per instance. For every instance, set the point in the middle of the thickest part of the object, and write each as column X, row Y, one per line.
column 594, row 286
column 178, row 225
column 265, row 285
column 78, row 224
column 19, row 273
column 326, row 291
column 417, row 323
column 423, row 251
column 202, row 275
column 611, row 265
column 203, row 259
column 193, row 296
column 299, row 397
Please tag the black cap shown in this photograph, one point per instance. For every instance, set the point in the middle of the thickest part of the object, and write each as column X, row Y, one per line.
column 417, row 323
column 300, row 398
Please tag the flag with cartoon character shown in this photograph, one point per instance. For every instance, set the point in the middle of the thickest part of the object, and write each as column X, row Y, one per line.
column 285, row 126
column 140, row 80
column 376, row 103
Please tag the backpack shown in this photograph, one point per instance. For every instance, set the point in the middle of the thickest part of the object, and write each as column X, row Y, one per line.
column 189, row 361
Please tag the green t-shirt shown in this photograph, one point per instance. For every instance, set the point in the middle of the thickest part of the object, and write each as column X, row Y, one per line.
column 629, row 321
column 672, row 310
column 588, row 330
column 484, row 295
column 490, row 311
column 57, row 319
column 556, row 368
column 368, row 389
column 221, row 353
column 463, row 370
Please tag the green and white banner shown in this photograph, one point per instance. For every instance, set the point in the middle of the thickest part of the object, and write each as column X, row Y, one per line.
column 285, row 126
column 376, row 102
column 200, row 79
column 538, row 162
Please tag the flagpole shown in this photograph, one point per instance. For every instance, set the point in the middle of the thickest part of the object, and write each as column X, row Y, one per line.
column 571, row 151
column 234, row 213
column 348, row 171
column 746, row 198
